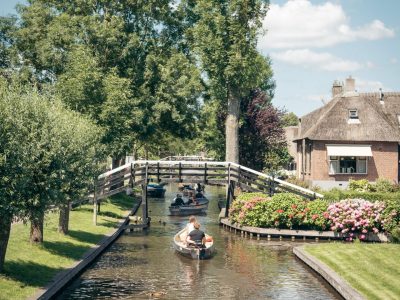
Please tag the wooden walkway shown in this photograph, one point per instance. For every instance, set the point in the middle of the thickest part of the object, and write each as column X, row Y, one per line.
column 141, row 172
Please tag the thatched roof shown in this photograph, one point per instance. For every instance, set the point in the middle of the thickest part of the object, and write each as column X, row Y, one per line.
column 378, row 122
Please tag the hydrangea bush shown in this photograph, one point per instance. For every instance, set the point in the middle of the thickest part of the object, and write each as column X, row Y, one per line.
column 356, row 217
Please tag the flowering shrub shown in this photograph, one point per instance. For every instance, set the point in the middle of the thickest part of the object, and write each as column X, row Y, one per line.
column 240, row 208
column 316, row 215
column 356, row 217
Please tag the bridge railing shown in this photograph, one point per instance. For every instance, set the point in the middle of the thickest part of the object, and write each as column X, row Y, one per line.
column 209, row 172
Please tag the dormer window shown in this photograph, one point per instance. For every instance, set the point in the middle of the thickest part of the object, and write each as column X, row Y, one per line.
column 353, row 114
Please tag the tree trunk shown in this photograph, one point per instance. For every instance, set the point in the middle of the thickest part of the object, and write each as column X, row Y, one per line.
column 36, row 235
column 232, row 128
column 5, row 227
column 63, row 221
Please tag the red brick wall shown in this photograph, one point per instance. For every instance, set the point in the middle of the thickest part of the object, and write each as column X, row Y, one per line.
column 382, row 164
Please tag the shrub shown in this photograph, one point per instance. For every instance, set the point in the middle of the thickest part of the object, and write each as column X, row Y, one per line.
column 391, row 215
column 286, row 210
column 356, row 216
column 361, row 185
column 238, row 210
column 383, row 185
column 395, row 235
column 316, row 216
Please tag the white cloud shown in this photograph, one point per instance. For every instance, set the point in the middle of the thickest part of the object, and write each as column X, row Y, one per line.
column 310, row 59
column 370, row 86
column 394, row 60
column 300, row 24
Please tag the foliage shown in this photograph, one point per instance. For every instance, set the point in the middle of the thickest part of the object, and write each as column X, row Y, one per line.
column 381, row 185
column 283, row 210
column 316, row 216
column 262, row 141
column 395, row 235
column 29, row 267
column 356, row 217
column 361, row 185
column 124, row 64
column 391, row 214
column 224, row 38
column 290, row 119
column 339, row 194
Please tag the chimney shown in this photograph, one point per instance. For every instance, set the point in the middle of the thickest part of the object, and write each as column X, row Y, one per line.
column 350, row 85
column 337, row 88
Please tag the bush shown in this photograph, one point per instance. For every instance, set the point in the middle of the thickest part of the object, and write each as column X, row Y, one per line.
column 238, row 210
column 356, row 216
column 316, row 216
column 383, row 185
column 362, row 185
column 395, row 235
column 391, row 215
column 336, row 195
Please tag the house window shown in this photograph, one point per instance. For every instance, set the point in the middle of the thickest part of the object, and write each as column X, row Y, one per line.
column 347, row 165
column 353, row 114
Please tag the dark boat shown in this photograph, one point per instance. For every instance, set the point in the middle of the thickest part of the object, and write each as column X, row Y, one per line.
column 193, row 252
column 199, row 207
column 155, row 190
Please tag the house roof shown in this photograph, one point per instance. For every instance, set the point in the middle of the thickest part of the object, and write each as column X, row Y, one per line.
column 378, row 122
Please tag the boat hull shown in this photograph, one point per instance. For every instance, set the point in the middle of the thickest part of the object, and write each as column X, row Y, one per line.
column 191, row 252
column 191, row 209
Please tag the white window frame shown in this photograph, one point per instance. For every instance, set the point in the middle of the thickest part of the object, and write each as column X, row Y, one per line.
column 332, row 160
column 353, row 114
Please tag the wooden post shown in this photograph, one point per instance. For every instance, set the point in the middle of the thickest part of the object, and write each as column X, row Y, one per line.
column 144, row 197
column 94, row 206
column 95, row 211
column 180, row 172
column 228, row 192
column 205, row 173
column 158, row 172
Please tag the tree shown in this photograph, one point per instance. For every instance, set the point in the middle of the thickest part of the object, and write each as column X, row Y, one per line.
column 48, row 156
column 290, row 119
column 225, row 38
column 262, row 135
column 86, row 47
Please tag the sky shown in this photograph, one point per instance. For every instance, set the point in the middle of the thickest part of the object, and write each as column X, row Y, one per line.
column 312, row 43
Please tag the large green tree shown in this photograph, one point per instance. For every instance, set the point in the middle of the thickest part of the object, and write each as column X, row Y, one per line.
column 124, row 63
column 48, row 156
column 225, row 39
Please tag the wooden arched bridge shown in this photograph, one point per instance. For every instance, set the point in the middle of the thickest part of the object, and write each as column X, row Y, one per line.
column 141, row 172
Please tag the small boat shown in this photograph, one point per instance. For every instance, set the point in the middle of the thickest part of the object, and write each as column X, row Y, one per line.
column 190, row 209
column 193, row 252
column 155, row 190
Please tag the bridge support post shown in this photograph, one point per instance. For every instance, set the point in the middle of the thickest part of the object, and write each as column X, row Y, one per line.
column 229, row 197
column 95, row 211
column 145, row 213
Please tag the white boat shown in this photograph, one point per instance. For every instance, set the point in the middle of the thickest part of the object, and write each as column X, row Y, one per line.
column 190, row 251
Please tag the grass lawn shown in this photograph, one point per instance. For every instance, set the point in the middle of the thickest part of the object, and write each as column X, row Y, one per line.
column 372, row 269
column 29, row 267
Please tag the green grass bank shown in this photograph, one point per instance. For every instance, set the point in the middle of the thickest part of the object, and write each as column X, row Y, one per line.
column 29, row 267
column 372, row 269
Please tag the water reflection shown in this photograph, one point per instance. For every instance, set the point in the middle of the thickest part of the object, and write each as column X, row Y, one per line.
column 144, row 265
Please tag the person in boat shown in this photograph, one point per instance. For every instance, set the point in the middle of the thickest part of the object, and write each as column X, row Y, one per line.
column 190, row 225
column 196, row 237
column 192, row 200
column 178, row 200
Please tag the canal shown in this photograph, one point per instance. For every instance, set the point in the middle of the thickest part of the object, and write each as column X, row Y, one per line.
column 144, row 265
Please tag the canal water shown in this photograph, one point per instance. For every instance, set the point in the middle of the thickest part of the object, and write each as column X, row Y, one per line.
column 144, row 265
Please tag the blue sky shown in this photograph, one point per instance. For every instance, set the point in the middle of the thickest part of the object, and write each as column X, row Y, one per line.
column 314, row 42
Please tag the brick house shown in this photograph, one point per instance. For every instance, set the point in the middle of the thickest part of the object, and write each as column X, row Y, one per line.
column 353, row 136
